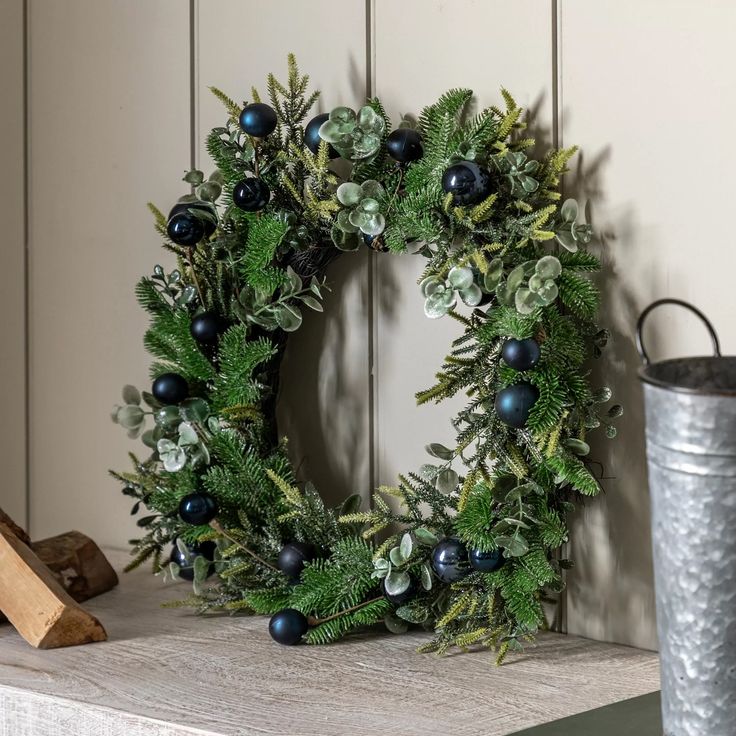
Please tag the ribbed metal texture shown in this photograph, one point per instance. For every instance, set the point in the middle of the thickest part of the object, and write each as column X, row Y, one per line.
column 691, row 448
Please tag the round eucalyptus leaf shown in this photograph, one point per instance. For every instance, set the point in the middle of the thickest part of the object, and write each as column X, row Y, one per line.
column 548, row 267
column 148, row 438
column 397, row 582
column 312, row 303
column 345, row 222
column 446, row 480
column 349, row 193
column 577, row 446
column 536, row 282
column 395, row 625
column 373, row 224
column 187, row 435
column 372, row 189
column 289, row 319
column 209, row 191
column 406, row 546
column 526, row 301
column 569, row 210
column 345, row 241
column 168, row 416
column 369, row 205
column 130, row 416
column 428, row 472
column 131, row 395
column 426, row 577
column 424, row 536
column 439, row 304
column 548, row 292
column 471, row 296
column 566, row 239
column 396, row 556
column 515, row 279
column 460, row 277
column 435, row 449
column 430, row 285
column 194, row 410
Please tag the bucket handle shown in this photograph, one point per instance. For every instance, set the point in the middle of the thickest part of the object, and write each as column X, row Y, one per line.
column 640, row 326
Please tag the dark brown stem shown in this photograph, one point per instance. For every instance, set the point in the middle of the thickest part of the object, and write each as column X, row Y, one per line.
column 220, row 530
column 314, row 621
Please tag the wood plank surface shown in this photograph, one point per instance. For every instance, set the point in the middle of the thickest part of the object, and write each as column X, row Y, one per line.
column 166, row 672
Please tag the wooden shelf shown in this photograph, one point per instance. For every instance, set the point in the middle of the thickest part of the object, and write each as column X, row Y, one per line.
column 166, row 672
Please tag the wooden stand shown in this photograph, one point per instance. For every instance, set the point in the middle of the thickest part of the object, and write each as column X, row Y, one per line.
column 41, row 583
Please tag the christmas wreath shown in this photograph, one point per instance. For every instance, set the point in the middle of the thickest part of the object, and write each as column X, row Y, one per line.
column 468, row 545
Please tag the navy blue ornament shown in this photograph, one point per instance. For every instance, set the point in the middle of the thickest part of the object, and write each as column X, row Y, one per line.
column 400, row 598
column 468, row 183
column 521, row 355
column 450, row 560
column 207, row 327
column 287, row 627
column 486, row 561
column 185, row 229
column 197, row 508
column 251, row 194
column 207, row 223
column 312, row 138
column 170, row 388
column 258, row 119
column 513, row 404
column 186, row 567
column 405, row 145
column 293, row 557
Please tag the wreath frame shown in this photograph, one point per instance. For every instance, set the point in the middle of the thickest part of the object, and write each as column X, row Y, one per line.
column 471, row 556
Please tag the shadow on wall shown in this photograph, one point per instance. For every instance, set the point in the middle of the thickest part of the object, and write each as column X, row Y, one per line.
column 610, row 589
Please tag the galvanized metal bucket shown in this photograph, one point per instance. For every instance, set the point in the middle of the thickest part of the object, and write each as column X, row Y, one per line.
column 691, row 452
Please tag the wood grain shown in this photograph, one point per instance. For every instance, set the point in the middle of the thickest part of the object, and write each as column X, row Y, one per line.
column 36, row 604
column 166, row 671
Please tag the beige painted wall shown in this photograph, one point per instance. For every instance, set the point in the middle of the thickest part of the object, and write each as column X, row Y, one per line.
column 12, row 263
column 109, row 128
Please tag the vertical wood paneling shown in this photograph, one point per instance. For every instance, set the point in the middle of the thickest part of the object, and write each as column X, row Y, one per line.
column 649, row 97
column 109, row 130
column 324, row 408
column 484, row 46
column 12, row 263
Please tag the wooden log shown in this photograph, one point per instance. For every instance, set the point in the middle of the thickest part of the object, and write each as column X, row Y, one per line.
column 43, row 613
column 77, row 563
column 18, row 531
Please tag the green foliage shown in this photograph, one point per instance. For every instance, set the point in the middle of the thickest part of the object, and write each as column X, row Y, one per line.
column 518, row 251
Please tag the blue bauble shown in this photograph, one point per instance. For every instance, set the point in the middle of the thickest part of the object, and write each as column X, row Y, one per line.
column 185, row 229
column 293, row 557
column 205, row 207
column 258, row 119
column 312, row 138
column 514, row 403
column 197, row 508
column 450, row 560
column 251, row 194
column 170, row 389
column 468, row 183
column 288, row 626
column 375, row 242
column 186, row 567
column 404, row 145
column 521, row 355
column 207, row 327
column 486, row 561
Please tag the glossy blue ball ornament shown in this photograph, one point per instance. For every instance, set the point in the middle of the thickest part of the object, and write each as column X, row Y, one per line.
column 170, row 389
column 521, row 355
column 197, row 508
column 513, row 404
column 186, row 566
column 258, row 119
column 468, row 183
column 288, row 626
column 312, row 138
column 293, row 557
column 405, row 145
column 205, row 207
column 450, row 560
column 207, row 327
column 486, row 561
column 251, row 194
column 185, row 229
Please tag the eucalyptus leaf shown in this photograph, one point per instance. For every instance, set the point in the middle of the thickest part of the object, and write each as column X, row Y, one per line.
column 394, row 624
column 424, row 536
column 460, row 277
column 514, row 546
column 396, row 556
column 446, row 480
column 435, row 449
column 130, row 416
column 397, row 582
column 288, row 318
column 413, row 614
column 187, row 435
column 406, row 546
column 312, row 303
column 131, row 395
column 194, row 177
column 425, row 576
column 577, row 446
column 201, row 568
